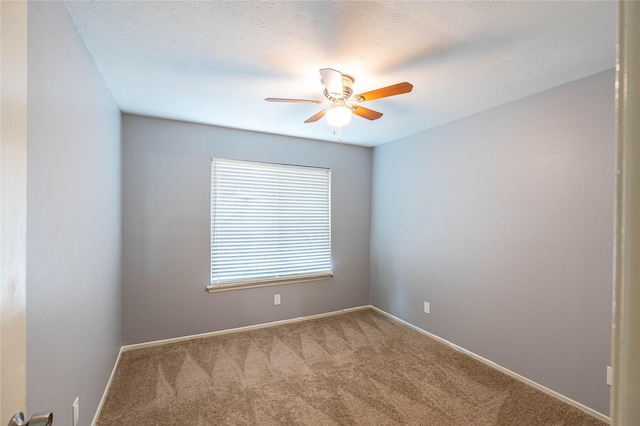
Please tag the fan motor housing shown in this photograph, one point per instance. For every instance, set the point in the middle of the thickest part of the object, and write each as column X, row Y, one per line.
column 347, row 89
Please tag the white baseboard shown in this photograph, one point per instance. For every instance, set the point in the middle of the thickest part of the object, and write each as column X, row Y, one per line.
column 502, row 369
column 134, row 346
column 106, row 389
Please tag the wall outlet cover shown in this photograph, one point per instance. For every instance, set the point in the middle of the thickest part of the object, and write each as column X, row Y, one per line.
column 427, row 307
column 609, row 376
column 276, row 299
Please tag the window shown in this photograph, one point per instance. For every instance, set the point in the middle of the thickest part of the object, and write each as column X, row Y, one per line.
column 270, row 223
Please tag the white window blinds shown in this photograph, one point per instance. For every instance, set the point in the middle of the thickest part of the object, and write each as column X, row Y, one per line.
column 269, row 223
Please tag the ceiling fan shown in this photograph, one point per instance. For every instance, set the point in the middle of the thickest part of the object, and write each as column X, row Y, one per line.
column 338, row 89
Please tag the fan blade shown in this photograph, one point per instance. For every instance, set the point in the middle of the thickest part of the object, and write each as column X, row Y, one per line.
column 396, row 89
column 332, row 81
column 369, row 114
column 299, row 101
column 316, row 116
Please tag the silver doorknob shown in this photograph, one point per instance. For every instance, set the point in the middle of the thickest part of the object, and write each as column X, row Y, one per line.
column 38, row 419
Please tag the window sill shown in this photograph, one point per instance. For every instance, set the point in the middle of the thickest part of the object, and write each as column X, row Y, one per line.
column 254, row 284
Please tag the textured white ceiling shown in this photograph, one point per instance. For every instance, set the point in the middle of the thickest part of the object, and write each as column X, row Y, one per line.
column 215, row 62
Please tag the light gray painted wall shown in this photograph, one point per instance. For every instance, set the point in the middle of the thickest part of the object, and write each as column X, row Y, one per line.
column 166, row 222
column 503, row 221
column 73, row 220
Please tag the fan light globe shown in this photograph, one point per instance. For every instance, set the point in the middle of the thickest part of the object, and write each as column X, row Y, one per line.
column 338, row 116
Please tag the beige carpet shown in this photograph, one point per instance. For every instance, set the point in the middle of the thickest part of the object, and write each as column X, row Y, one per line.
column 358, row 368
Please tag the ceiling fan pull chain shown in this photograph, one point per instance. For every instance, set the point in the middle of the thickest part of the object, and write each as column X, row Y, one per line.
column 339, row 133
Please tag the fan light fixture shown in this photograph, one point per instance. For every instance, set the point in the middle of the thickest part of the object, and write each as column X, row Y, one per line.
column 338, row 115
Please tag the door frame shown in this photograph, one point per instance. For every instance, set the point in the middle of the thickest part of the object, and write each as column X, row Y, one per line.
column 13, row 207
column 625, row 394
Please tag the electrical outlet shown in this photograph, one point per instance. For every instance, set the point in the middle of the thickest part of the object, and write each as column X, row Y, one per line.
column 609, row 376
column 75, row 413
column 276, row 299
column 427, row 308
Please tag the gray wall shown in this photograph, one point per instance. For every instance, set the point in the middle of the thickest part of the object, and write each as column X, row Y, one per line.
column 503, row 222
column 73, row 220
column 166, row 229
